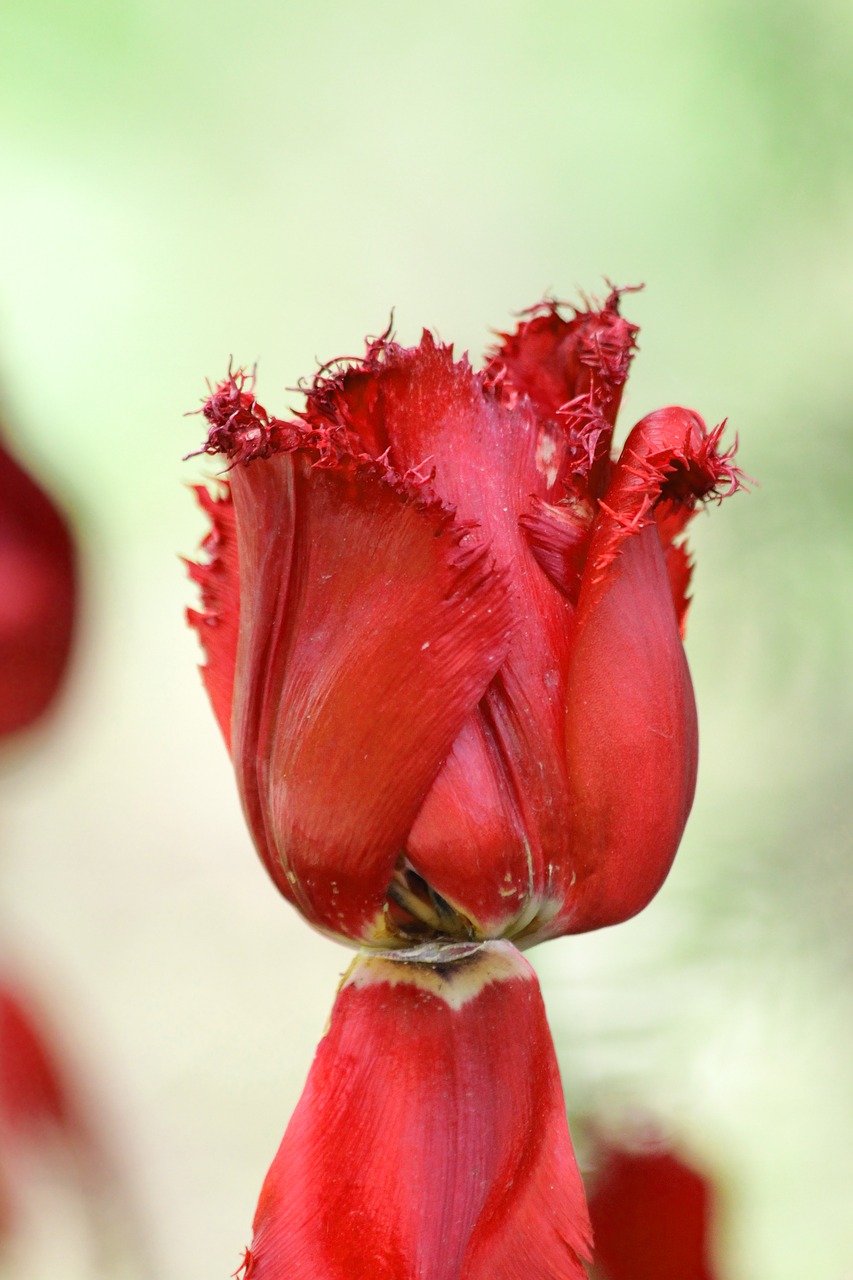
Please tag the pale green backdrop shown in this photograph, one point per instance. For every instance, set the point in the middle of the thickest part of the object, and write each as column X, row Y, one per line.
column 183, row 180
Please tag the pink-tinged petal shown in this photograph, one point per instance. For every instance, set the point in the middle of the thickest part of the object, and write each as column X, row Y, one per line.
column 631, row 727
column 218, row 620
column 38, row 588
column 573, row 371
column 420, row 1152
column 370, row 626
column 651, row 1213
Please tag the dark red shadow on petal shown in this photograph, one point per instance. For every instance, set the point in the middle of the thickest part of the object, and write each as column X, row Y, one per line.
column 434, row 416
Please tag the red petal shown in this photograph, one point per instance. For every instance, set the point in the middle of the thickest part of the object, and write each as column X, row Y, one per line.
column 679, row 568
column 431, row 1140
column 651, row 1214
column 370, row 627
column 485, row 459
column 37, row 597
column 468, row 841
column 559, row 534
column 218, row 621
column 631, row 721
column 573, row 371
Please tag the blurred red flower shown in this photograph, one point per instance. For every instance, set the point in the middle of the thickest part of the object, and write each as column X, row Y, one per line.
column 38, row 589
column 651, row 1215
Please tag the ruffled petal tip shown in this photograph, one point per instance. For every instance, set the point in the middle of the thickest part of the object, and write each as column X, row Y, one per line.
column 652, row 1213
column 431, row 1141
column 38, row 597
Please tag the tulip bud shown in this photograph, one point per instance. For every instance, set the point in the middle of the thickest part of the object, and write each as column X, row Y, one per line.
column 442, row 629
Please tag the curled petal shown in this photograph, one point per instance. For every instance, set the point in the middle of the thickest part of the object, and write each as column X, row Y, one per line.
column 38, row 588
column 419, row 1151
column 38, row 1115
column 370, row 626
column 32, row 1092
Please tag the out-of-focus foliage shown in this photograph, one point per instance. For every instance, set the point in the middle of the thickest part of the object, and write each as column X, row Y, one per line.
column 183, row 181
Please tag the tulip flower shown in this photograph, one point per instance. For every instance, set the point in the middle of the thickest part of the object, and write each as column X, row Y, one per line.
column 442, row 627
column 37, row 597
column 651, row 1212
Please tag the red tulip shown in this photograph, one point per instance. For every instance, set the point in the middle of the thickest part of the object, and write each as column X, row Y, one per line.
column 651, row 1213
column 37, row 597
column 442, row 630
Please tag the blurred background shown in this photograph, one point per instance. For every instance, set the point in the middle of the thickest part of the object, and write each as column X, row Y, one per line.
column 181, row 181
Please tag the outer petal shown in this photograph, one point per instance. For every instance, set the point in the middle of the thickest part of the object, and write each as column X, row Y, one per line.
column 631, row 718
column 37, row 597
column 431, row 1140
column 651, row 1213
column 370, row 626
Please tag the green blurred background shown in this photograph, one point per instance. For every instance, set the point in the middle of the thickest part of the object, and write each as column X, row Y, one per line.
column 182, row 181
